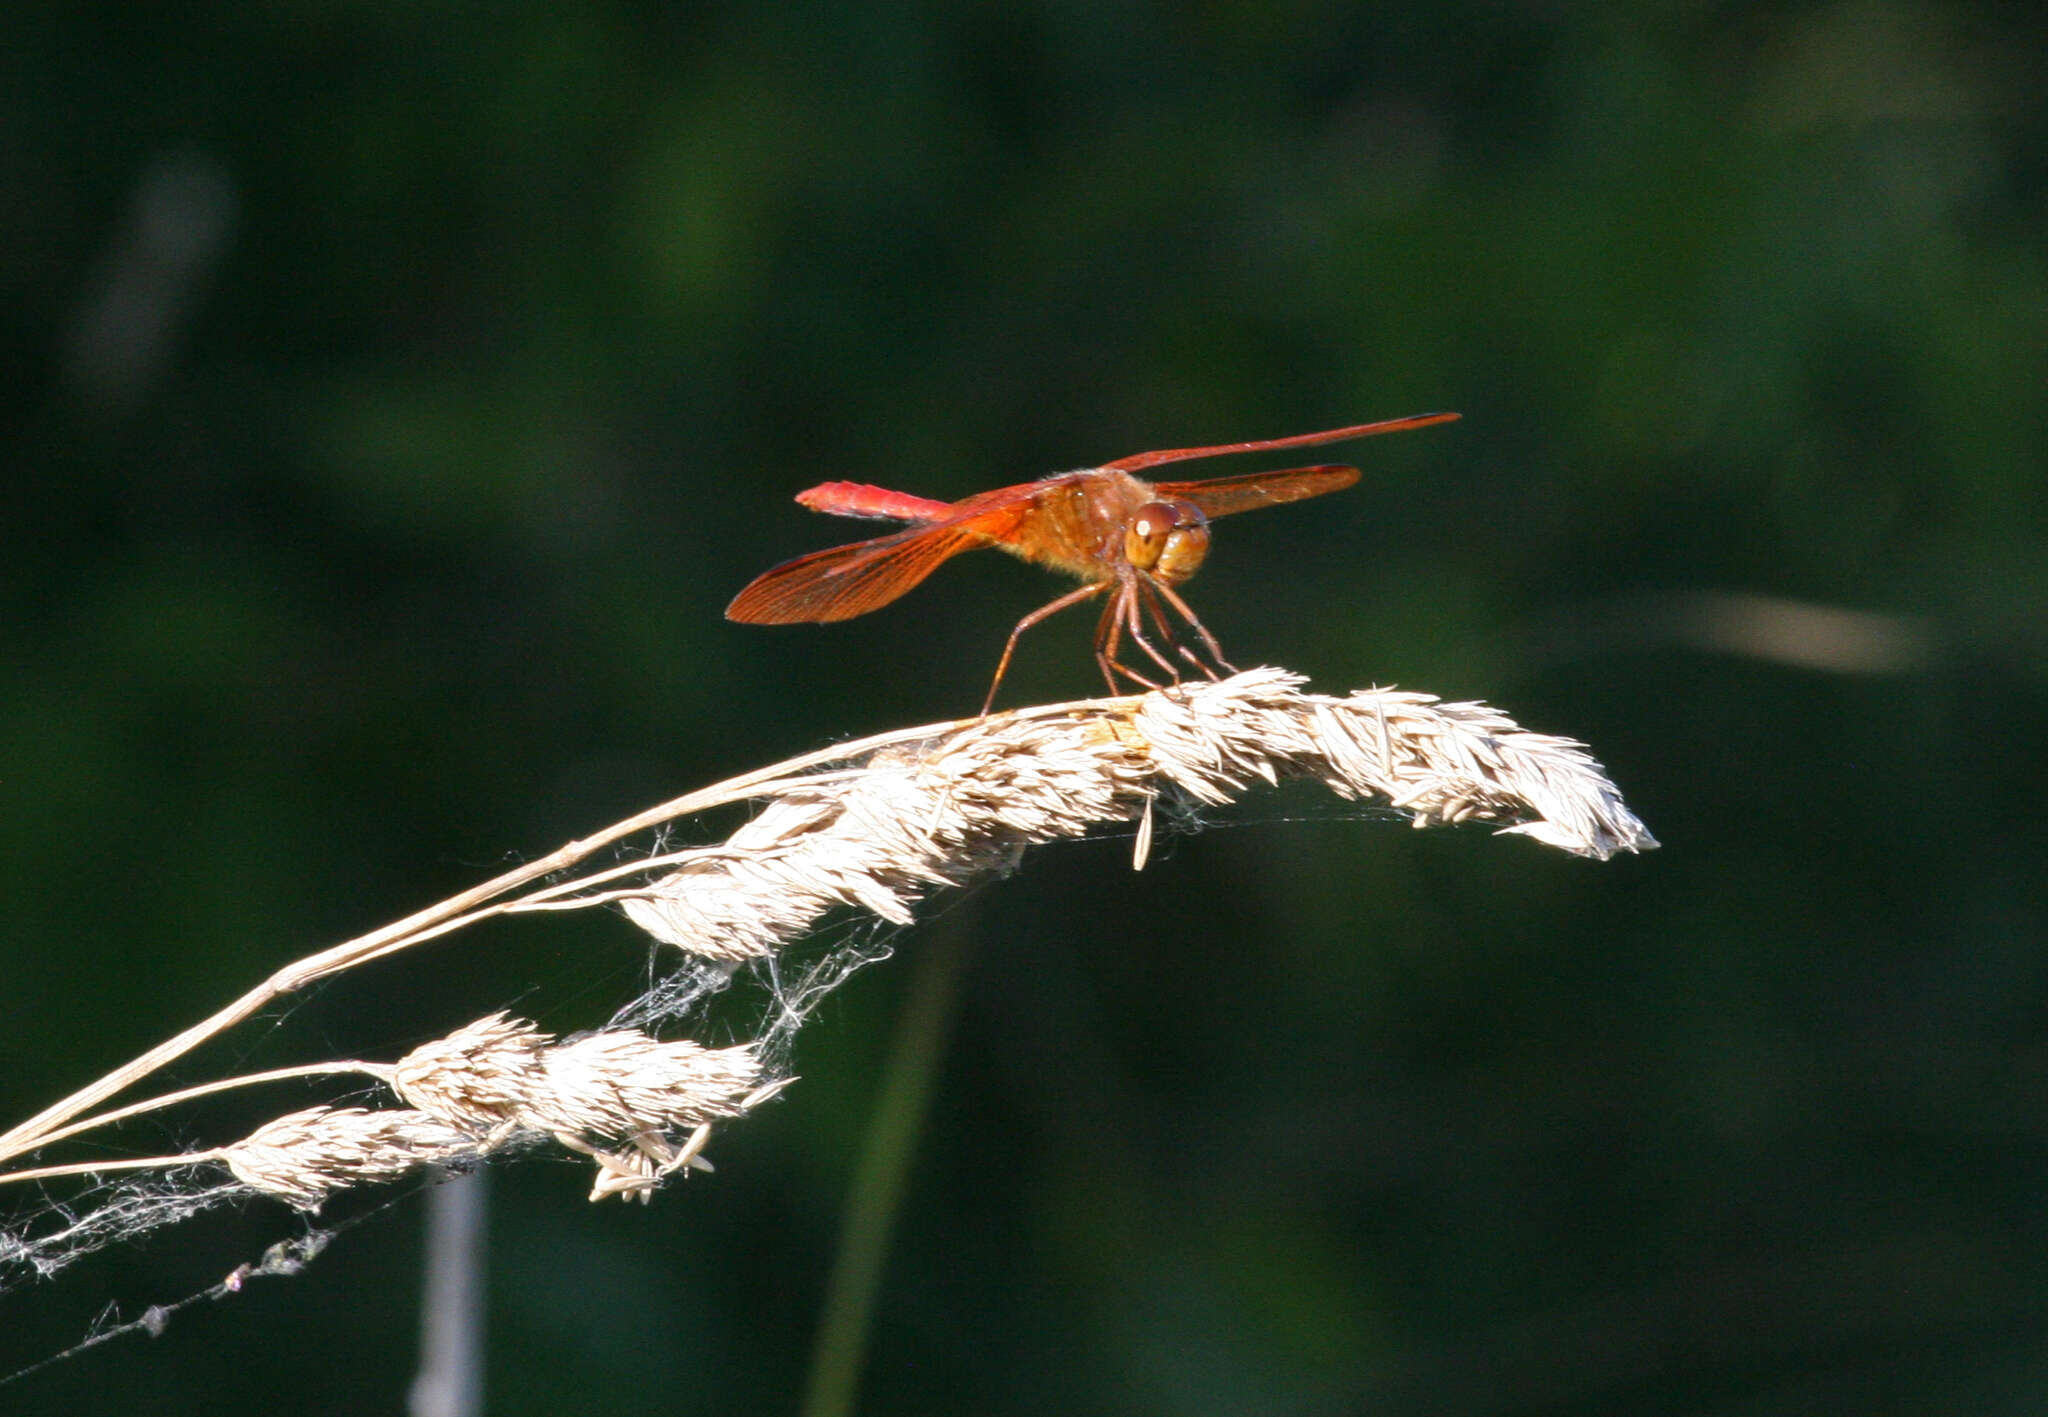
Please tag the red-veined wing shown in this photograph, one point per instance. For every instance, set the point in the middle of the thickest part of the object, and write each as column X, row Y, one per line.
column 844, row 581
column 1137, row 462
column 1220, row 496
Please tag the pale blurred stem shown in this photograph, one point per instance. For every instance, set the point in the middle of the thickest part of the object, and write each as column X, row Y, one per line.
column 876, row 1195
column 450, row 1378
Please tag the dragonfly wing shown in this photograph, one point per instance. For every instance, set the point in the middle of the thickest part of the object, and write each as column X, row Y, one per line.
column 845, row 581
column 1138, row 462
column 1220, row 496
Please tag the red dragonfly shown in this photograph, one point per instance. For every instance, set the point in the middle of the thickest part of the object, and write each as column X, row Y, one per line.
column 1132, row 539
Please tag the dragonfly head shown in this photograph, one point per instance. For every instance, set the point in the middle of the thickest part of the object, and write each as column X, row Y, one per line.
column 1167, row 540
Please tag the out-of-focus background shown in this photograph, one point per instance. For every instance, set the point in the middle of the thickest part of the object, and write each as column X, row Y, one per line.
column 395, row 395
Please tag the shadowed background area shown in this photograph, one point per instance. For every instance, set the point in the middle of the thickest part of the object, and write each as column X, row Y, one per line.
column 395, row 396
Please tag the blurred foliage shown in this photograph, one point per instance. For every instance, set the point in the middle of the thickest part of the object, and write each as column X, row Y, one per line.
column 397, row 393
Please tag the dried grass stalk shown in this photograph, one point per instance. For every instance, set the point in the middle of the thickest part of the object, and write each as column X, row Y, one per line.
column 874, row 826
column 966, row 801
column 615, row 1096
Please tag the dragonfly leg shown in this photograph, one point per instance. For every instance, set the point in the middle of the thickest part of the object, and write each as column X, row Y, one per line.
column 1194, row 622
column 1109, row 637
column 1156, row 610
column 1072, row 597
column 1134, row 599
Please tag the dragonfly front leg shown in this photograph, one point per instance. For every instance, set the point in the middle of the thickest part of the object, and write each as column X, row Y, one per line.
column 1187, row 613
column 1109, row 637
column 1154, row 609
column 1134, row 594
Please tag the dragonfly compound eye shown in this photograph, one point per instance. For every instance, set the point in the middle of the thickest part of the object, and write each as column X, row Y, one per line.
column 1167, row 539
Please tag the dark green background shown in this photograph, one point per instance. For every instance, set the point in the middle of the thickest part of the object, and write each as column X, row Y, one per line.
column 491, row 344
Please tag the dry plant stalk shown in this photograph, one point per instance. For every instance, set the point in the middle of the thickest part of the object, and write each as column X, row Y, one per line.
column 873, row 825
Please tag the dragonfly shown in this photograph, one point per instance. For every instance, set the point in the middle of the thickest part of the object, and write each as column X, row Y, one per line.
column 1123, row 537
